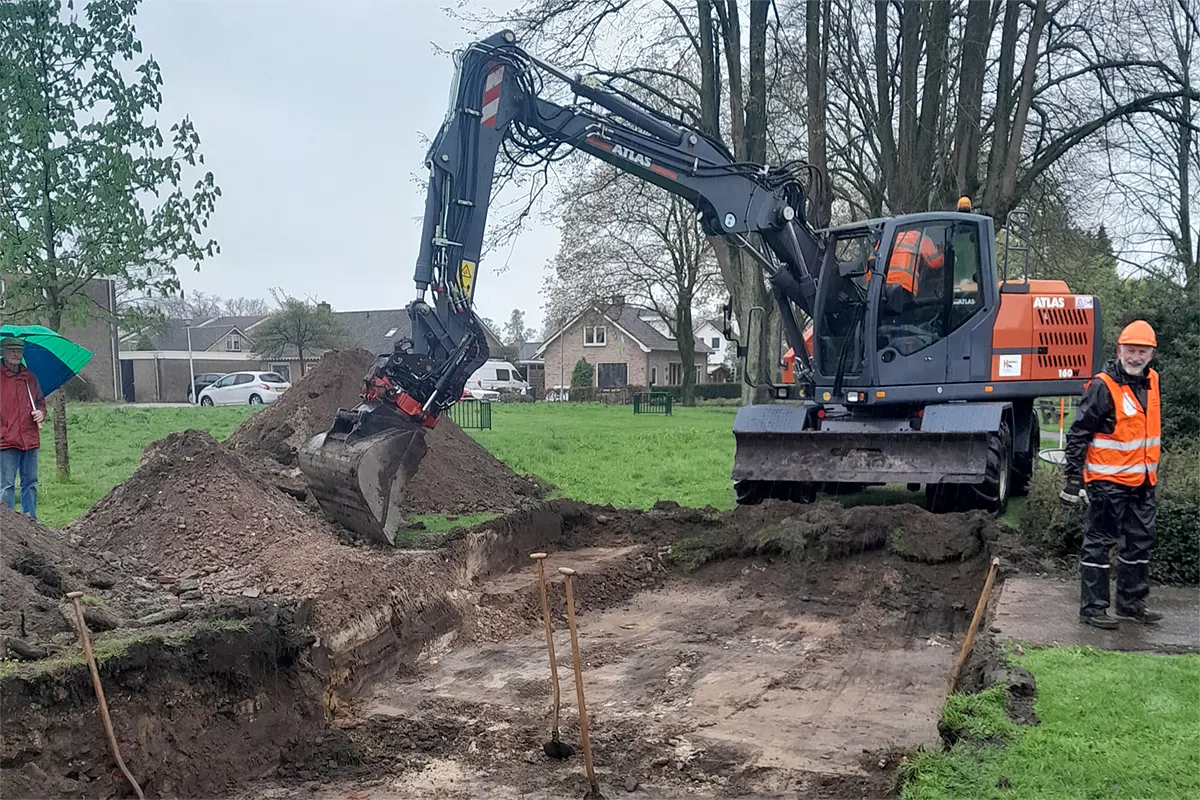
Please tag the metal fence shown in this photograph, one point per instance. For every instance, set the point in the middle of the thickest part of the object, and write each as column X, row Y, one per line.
column 652, row 403
column 473, row 414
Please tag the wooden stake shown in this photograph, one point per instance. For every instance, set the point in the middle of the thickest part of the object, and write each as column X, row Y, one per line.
column 966, row 648
column 583, row 717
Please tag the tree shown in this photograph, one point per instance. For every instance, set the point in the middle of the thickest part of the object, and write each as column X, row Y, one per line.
column 623, row 236
column 306, row 326
column 581, row 376
column 89, row 185
column 515, row 332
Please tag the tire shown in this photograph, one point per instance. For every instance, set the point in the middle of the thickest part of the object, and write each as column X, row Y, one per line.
column 992, row 494
column 206, row 401
column 255, row 400
column 1024, row 463
column 751, row 493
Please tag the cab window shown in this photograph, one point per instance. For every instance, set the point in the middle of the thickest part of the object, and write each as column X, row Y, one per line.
column 913, row 303
column 966, row 297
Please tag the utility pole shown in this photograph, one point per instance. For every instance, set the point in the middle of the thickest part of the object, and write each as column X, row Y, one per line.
column 191, row 369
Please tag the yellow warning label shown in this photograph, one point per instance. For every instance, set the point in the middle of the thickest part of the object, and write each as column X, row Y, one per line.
column 466, row 275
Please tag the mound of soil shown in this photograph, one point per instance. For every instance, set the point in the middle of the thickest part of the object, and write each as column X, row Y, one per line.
column 281, row 429
column 457, row 475
column 40, row 566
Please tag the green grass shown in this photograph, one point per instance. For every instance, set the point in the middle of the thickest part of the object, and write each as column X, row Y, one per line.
column 604, row 454
column 106, row 445
column 1113, row 725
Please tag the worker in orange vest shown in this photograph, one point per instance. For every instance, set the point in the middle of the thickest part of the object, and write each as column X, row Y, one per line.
column 912, row 247
column 1112, row 464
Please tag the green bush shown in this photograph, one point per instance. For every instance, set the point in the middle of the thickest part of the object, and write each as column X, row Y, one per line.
column 80, row 390
column 1052, row 528
column 581, row 376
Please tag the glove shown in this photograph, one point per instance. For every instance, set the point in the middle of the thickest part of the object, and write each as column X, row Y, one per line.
column 1073, row 491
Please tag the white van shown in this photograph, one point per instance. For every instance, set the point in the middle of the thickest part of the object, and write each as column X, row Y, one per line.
column 499, row 376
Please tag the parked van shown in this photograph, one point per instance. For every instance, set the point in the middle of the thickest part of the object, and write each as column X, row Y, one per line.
column 498, row 375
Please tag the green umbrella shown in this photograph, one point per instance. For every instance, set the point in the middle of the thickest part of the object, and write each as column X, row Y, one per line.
column 53, row 358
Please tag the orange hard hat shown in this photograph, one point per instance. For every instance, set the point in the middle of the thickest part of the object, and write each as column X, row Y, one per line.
column 1138, row 332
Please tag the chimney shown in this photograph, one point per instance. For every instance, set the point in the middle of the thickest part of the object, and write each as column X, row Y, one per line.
column 618, row 300
column 323, row 306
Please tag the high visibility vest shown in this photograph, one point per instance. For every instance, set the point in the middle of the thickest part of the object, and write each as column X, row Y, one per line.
column 911, row 247
column 1130, row 453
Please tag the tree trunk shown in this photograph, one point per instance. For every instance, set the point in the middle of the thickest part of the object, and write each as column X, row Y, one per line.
column 816, row 71
column 929, row 126
column 300, row 352
column 1004, row 85
column 968, row 127
column 685, row 339
column 883, row 101
column 62, row 455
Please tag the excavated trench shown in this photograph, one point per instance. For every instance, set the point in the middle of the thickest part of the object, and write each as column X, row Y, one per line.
column 771, row 650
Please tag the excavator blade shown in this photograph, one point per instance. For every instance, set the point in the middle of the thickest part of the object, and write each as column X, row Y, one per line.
column 860, row 456
column 359, row 469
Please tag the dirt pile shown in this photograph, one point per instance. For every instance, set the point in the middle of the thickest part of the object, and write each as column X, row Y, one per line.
column 195, row 507
column 40, row 566
column 457, row 475
column 281, row 429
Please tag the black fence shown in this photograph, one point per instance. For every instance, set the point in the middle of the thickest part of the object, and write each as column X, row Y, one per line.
column 472, row 414
column 652, row 403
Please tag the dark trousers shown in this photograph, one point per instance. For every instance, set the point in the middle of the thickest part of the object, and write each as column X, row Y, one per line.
column 1124, row 516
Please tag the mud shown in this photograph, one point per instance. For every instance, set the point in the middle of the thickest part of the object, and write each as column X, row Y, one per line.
column 457, row 475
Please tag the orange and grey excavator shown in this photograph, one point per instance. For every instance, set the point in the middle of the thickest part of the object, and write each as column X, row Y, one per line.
column 923, row 361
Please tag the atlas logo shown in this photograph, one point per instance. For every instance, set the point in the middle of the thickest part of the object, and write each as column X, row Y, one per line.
column 626, row 153
column 1049, row 302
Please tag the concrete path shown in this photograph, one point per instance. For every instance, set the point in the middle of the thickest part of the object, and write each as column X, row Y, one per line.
column 1045, row 611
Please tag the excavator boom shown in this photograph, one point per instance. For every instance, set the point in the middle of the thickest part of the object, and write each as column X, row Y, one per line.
column 358, row 469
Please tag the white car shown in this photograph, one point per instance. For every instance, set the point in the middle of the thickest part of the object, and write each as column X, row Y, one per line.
column 498, row 375
column 475, row 393
column 245, row 388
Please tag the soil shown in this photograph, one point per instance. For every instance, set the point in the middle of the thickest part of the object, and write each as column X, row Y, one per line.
column 457, row 475
column 775, row 649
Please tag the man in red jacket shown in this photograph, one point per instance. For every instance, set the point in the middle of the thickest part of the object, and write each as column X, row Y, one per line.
column 22, row 409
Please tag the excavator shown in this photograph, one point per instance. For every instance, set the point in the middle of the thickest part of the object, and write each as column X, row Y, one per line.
column 919, row 365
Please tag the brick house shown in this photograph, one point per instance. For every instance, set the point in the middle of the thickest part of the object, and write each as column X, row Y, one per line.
column 627, row 345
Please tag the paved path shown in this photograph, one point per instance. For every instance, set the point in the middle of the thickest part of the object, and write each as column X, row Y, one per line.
column 1045, row 611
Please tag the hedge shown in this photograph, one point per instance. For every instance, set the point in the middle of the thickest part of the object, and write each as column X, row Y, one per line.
column 704, row 391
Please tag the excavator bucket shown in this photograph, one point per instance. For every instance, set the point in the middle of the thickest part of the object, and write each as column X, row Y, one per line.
column 359, row 468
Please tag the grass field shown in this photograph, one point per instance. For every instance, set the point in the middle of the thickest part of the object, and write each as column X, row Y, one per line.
column 106, row 445
column 1113, row 725
column 605, row 454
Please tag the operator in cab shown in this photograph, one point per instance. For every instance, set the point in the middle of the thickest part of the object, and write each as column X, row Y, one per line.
column 1112, row 465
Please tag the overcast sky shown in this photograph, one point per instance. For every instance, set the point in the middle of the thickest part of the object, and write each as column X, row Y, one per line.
column 311, row 117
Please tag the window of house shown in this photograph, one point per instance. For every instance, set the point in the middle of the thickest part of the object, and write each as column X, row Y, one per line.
column 698, row 378
column 653, row 376
column 715, row 343
column 391, row 332
column 674, row 373
column 233, row 342
column 611, row 376
column 594, row 336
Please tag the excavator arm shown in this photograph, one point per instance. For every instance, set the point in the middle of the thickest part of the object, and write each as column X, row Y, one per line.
column 358, row 469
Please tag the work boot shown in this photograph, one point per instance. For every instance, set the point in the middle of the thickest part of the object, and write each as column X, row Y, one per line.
column 1101, row 620
column 1140, row 614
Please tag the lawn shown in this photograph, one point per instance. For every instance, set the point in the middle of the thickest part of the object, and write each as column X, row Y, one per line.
column 605, row 454
column 106, row 445
column 1113, row 725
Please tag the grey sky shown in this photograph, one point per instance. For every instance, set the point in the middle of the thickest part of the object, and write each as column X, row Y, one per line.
column 311, row 116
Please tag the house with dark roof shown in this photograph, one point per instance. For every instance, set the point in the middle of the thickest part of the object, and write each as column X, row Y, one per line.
column 626, row 344
column 155, row 364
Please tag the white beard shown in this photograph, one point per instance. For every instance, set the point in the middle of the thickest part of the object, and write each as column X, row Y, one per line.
column 1131, row 370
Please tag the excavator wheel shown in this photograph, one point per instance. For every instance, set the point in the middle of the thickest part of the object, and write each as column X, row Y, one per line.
column 991, row 494
column 751, row 493
column 1023, row 463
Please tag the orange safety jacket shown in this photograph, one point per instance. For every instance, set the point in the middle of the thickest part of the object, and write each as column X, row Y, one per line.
column 911, row 247
column 1128, row 455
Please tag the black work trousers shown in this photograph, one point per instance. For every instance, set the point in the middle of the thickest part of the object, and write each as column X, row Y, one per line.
column 1117, row 515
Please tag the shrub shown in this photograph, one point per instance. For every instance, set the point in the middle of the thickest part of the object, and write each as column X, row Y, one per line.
column 1051, row 528
column 581, row 376
column 705, row 391
column 80, row 390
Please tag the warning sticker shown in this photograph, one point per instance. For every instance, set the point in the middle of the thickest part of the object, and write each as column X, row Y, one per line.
column 1084, row 302
column 466, row 275
column 1010, row 366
